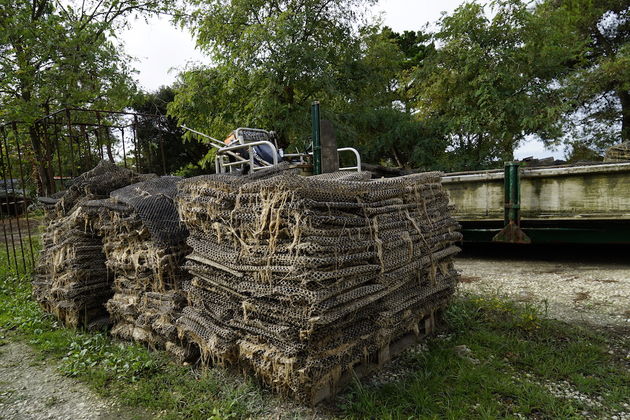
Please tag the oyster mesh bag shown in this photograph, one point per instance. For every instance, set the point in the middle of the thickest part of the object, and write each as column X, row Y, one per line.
column 296, row 279
column 71, row 278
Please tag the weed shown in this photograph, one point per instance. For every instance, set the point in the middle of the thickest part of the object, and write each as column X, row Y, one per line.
column 51, row 401
column 124, row 362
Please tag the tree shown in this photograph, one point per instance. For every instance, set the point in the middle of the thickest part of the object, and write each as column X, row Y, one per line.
column 62, row 54
column 597, row 86
column 489, row 85
column 273, row 58
column 161, row 136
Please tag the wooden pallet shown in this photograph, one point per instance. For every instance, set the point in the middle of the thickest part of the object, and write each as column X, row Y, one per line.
column 375, row 361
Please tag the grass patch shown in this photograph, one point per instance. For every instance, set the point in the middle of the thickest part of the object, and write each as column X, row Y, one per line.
column 127, row 372
column 519, row 365
column 522, row 366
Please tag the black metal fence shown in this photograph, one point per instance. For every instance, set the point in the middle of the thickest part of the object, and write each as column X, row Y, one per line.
column 42, row 157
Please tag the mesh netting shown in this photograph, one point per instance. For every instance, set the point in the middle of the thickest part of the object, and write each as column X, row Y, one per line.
column 298, row 278
column 144, row 245
column 71, row 278
column 152, row 201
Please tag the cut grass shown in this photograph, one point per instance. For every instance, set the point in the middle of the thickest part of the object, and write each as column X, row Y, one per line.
column 520, row 357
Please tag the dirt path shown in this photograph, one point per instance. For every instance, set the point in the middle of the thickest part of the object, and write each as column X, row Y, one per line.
column 573, row 290
column 32, row 389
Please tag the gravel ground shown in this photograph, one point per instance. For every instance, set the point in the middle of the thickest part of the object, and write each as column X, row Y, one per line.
column 32, row 389
column 574, row 288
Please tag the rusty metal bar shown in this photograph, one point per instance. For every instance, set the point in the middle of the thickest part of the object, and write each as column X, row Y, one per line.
column 6, row 190
column 28, row 222
column 88, row 124
column 86, row 158
column 69, row 124
column 58, row 146
column 101, row 111
column 49, row 159
column 162, row 152
column 98, row 137
column 6, row 183
column 135, row 142
column 17, row 213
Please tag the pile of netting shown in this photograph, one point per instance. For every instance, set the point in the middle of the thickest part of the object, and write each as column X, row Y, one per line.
column 298, row 279
column 145, row 245
column 71, row 279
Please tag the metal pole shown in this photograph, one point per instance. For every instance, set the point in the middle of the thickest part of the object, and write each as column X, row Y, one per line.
column 317, row 146
column 24, row 197
column 512, row 212
column 58, row 147
column 122, row 139
column 135, row 142
column 511, row 231
column 9, row 181
column 162, row 153
column 72, row 163
column 6, row 190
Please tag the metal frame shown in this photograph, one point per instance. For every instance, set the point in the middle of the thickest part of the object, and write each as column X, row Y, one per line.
column 221, row 160
column 71, row 141
column 221, row 165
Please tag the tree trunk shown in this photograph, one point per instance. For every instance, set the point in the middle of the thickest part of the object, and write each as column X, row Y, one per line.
column 45, row 186
column 508, row 150
column 396, row 158
column 624, row 97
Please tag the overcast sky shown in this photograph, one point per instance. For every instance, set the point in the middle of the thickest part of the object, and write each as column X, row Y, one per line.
column 161, row 50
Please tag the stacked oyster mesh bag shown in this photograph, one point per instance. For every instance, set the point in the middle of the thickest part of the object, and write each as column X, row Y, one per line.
column 71, row 279
column 145, row 245
column 299, row 279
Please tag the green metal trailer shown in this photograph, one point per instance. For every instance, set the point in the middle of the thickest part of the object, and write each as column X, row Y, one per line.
column 559, row 204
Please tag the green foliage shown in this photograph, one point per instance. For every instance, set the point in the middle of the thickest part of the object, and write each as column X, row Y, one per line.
column 97, row 352
column 62, row 54
column 272, row 59
column 489, row 84
column 597, row 86
column 163, row 136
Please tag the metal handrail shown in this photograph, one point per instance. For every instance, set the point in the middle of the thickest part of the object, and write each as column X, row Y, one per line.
column 343, row 149
column 356, row 154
